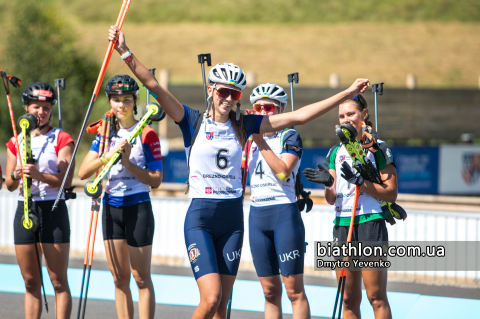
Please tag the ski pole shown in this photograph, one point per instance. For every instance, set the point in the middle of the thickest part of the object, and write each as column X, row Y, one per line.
column 59, row 84
column 202, row 58
column 16, row 82
column 377, row 88
column 111, row 46
column 291, row 78
column 95, row 208
column 343, row 275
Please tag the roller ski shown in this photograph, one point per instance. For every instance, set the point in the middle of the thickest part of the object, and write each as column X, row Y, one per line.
column 153, row 113
column 27, row 123
column 363, row 165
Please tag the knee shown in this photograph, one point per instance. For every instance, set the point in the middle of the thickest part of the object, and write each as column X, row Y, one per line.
column 211, row 303
column 32, row 284
column 272, row 294
column 143, row 281
column 59, row 285
column 295, row 295
column 377, row 301
column 121, row 281
column 351, row 301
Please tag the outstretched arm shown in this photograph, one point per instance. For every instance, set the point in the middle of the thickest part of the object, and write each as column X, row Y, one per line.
column 310, row 112
column 169, row 103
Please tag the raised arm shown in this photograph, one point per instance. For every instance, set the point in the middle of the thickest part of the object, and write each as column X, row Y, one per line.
column 310, row 112
column 169, row 103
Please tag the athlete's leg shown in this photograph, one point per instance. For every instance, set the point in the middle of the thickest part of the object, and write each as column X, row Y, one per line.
column 227, row 285
column 210, row 287
column 296, row 294
column 56, row 259
column 140, row 261
column 117, row 257
column 376, row 286
column 27, row 260
column 352, row 294
column 272, row 289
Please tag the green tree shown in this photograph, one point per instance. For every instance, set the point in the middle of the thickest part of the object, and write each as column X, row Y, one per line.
column 41, row 47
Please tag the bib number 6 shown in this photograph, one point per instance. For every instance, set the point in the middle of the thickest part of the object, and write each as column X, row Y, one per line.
column 222, row 161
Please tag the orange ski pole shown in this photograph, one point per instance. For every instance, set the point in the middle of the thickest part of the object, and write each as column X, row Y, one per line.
column 16, row 82
column 103, row 69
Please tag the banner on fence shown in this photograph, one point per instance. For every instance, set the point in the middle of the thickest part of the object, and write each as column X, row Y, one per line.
column 459, row 169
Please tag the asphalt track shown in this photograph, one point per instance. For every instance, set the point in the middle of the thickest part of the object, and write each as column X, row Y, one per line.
column 405, row 297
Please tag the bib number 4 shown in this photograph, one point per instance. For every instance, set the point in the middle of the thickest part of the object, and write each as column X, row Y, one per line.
column 222, row 160
column 259, row 170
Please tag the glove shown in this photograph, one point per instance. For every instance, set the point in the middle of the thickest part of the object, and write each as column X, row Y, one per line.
column 351, row 176
column 319, row 176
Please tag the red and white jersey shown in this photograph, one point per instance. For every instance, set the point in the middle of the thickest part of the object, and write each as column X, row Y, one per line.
column 45, row 150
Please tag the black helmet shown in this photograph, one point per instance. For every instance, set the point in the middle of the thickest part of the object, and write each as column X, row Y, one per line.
column 39, row 91
column 121, row 84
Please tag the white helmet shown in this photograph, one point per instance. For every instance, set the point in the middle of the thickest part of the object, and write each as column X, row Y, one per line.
column 271, row 91
column 228, row 73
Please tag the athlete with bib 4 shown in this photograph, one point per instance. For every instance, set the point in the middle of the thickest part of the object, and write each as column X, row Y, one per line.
column 369, row 225
column 277, row 233
column 52, row 151
column 127, row 217
column 213, row 143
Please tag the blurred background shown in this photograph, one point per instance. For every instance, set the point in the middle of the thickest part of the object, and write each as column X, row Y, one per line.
column 426, row 52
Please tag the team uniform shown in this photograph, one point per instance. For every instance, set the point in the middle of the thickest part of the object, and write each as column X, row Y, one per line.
column 277, row 233
column 214, row 222
column 369, row 224
column 54, row 226
column 127, row 210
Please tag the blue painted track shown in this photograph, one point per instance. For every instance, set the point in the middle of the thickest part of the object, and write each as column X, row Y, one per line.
column 248, row 295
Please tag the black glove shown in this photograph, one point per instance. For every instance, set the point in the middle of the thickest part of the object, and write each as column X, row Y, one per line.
column 351, row 176
column 319, row 176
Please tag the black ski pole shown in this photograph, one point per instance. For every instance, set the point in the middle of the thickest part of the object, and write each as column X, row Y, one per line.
column 229, row 305
column 291, row 78
column 202, row 58
column 59, row 84
column 377, row 88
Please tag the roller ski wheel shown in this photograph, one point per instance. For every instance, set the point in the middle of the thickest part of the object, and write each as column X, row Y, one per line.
column 388, row 214
column 159, row 113
column 33, row 225
column 397, row 211
column 92, row 191
column 28, row 121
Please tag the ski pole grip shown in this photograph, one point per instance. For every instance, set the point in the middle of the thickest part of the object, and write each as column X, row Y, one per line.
column 60, row 83
column 293, row 77
column 378, row 88
column 152, row 71
column 205, row 57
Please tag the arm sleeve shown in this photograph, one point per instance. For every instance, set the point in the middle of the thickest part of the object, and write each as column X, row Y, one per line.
column 96, row 144
column 252, row 124
column 187, row 125
column 11, row 146
column 330, row 159
column 63, row 140
column 292, row 143
column 152, row 149
column 384, row 156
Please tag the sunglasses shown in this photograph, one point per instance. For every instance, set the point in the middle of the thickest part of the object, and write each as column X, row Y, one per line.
column 267, row 107
column 224, row 93
column 356, row 98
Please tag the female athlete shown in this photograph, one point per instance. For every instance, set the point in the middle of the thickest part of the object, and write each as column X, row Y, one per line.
column 369, row 224
column 128, row 223
column 52, row 150
column 213, row 142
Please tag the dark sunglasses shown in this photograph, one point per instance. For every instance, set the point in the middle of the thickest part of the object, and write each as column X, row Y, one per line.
column 224, row 93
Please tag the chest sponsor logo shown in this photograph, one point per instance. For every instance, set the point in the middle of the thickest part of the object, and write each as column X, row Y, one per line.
column 265, row 198
column 208, row 190
column 263, row 185
column 342, row 158
column 223, row 190
column 218, row 176
column 348, row 195
column 210, row 135
column 471, row 167
column 341, row 209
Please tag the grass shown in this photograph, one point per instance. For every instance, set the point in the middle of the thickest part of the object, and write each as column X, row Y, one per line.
column 440, row 55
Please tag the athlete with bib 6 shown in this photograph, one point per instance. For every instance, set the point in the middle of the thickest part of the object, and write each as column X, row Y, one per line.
column 127, row 217
column 52, row 151
column 369, row 224
column 213, row 142
column 277, row 233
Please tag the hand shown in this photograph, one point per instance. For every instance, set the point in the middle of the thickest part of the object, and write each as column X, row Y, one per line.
column 125, row 155
column 117, row 36
column 31, row 170
column 359, row 86
column 319, row 176
column 114, row 150
column 17, row 172
column 351, row 175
